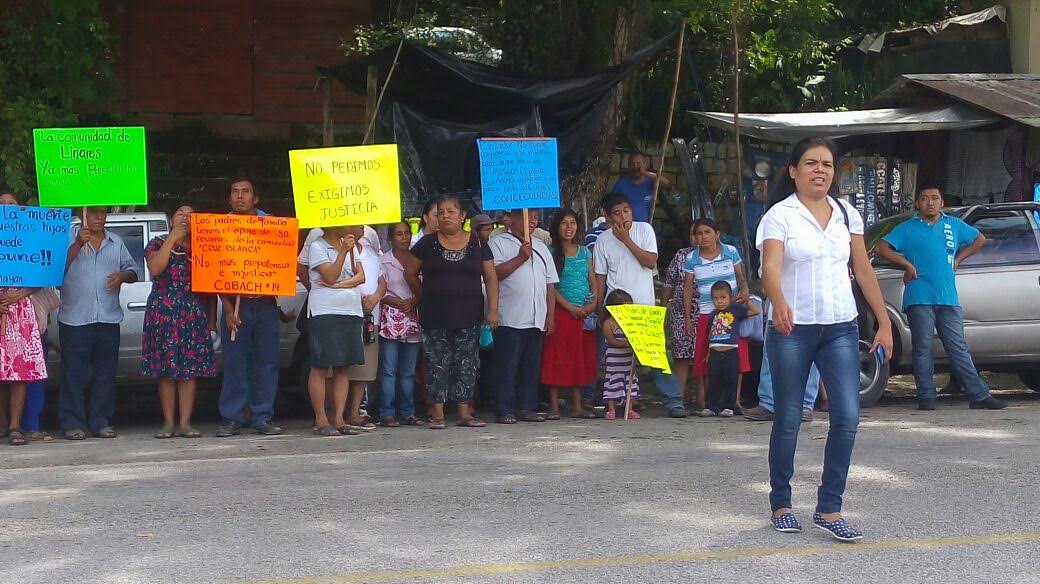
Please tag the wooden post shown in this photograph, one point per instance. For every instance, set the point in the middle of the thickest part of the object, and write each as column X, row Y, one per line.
column 382, row 93
column 744, row 237
column 371, row 97
column 527, row 228
column 628, row 400
column 668, row 123
column 328, row 125
column 238, row 300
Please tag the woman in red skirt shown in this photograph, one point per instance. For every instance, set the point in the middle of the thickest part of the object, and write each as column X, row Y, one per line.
column 569, row 352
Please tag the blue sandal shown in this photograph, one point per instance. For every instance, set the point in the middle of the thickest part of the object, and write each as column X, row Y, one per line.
column 840, row 529
column 786, row 523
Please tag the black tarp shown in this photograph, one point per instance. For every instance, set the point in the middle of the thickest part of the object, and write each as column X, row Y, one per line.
column 437, row 105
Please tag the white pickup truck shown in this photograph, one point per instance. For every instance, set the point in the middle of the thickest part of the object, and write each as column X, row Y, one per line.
column 136, row 230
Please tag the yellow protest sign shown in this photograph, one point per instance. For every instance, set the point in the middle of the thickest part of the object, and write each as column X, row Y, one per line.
column 644, row 327
column 350, row 185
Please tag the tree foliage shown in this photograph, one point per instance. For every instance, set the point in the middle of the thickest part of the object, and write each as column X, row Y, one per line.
column 57, row 59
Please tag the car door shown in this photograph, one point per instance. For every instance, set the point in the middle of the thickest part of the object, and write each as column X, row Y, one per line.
column 133, row 299
column 999, row 288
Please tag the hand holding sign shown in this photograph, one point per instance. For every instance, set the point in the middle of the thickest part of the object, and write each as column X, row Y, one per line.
column 644, row 328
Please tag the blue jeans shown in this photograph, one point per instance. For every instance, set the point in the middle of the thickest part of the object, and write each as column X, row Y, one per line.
column 948, row 321
column 93, row 348
column 255, row 347
column 835, row 350
column 765, row 384
column 518, row 366
column 397, row 361
column 668, row 386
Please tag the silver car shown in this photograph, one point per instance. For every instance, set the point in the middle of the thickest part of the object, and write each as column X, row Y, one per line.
column 999, row 289
column 136, row 230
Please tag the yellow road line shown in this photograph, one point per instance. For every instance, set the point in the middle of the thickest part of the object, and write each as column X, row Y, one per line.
column 696, row 556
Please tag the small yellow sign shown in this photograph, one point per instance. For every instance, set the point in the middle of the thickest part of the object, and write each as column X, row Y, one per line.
column 644, row 327
column 350, row 185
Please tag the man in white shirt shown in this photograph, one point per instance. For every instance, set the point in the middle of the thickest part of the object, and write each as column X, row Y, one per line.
column 624, row 259
column 527, row 277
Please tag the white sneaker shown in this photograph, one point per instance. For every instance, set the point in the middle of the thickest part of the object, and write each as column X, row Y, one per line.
column 726, row 413
column 706, row 413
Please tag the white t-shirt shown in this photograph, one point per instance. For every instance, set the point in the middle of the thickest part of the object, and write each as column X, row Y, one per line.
column 522, row 296
column 324, row 300
column 815, row 273
column 370, row 239
column 623, row 271
column 373, row 272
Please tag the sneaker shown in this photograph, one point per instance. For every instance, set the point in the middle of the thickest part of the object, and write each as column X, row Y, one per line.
column 726, row 413
column 786, row 523
column 926, row 405
column 677, row 412
column 840, row 529
column 267, row 428
column 990, row 403
column 807, row 415
column 758, row 414
column 706, row 413
column 228, row 428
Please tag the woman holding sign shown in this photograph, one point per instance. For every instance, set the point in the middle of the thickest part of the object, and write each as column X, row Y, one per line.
column 452, row 263
column 176, row 342
column 335, row 319
column 21, row 350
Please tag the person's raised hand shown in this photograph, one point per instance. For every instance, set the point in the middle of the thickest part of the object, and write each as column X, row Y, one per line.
column 83, row 237
column 180, row 230
column 622, row 233
column 526, row 250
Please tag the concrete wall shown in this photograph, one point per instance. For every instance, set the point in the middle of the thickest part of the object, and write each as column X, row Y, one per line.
column 1024, row 28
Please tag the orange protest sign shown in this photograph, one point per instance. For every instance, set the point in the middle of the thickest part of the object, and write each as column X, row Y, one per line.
column 243, row 254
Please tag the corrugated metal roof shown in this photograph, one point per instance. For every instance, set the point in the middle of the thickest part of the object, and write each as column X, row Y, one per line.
column 1013, row 96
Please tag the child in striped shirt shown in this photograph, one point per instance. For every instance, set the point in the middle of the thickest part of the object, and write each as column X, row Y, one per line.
column 620, row 361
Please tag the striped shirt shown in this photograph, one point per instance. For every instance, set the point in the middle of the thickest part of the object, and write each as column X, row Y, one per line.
column 707, row 272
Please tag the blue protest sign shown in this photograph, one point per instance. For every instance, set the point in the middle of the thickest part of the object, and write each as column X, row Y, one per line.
column 519, row 173
column 33, row 245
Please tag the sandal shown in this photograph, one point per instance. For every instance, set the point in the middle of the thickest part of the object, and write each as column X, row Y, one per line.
column 16, row 437
column 530, row 417
column 189, row 432
column 390, row 422
column 348, row 430
column 364, row 425
column 584, row 415
column 609, row 416
column 75, row 435
column 413, row 421
column 326, row 430
column 39, row 436
column 471, row 423
column 164, row 433
column 437, row 424
column 510, row 419
column 552, row 416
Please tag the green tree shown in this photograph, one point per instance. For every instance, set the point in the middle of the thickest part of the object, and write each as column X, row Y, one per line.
column 57, row 60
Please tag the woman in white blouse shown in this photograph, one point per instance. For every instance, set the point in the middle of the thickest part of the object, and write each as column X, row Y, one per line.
column 806, row 242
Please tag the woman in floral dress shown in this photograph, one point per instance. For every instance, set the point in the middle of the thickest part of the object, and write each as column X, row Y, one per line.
column 21, row 349
column 681, row 344
column 177, row 346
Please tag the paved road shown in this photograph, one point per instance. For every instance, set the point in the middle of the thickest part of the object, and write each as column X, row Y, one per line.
column 946, row 495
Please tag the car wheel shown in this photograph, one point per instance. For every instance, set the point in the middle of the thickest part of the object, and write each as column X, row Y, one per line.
column 873, row 376
column 1031, row 378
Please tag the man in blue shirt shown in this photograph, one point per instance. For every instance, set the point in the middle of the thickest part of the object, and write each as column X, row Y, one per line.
column 253, row 355
column 97, row 266
column 638, row 186
column 930, row 247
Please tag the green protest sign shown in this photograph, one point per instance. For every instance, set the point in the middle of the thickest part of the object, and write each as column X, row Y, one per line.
column 87, row 167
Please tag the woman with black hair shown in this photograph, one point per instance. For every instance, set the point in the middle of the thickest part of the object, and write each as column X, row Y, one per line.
column 445, row 277
column 569, row 352
column 807, row 241
column 428, row 223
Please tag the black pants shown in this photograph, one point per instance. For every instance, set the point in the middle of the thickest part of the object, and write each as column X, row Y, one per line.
column 723, row 372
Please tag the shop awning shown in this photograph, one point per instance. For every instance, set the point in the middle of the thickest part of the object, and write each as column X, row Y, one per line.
column 793, row 127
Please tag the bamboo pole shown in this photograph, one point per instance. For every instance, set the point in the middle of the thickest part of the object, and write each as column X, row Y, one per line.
column 238, row 300
column 382, row 93
column 744, row 237
column 668, row 123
